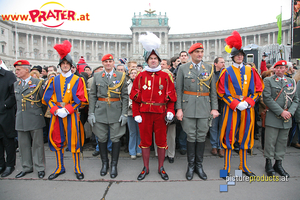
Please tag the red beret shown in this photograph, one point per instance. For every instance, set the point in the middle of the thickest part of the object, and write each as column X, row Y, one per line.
column 195, row 46
column 21, row 62
column 280, row 63
column 107, row 57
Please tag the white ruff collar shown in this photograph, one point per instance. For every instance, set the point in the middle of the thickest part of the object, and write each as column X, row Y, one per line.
column 237, row 65
column 66, row 75
column 148, row 69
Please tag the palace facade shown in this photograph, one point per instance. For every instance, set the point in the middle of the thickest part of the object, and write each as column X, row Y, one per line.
column 35, row 44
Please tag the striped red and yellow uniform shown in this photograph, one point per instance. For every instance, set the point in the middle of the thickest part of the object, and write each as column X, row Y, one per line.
column 236, row 85
column 69, row 93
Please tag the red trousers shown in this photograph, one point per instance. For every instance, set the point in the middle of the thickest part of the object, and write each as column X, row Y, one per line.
column 153, row 122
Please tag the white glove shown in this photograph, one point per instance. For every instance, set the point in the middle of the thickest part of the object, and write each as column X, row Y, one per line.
column 123, row 120
column 62, row 113
column 170, row 116
column 92, row 119
column 138, row 119
column 242, row 106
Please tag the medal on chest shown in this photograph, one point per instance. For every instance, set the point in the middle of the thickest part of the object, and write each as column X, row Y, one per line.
column 245, row 79
column 68, row 88
column 160, row 87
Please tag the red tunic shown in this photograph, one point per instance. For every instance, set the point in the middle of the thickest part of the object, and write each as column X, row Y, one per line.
column 153, row 95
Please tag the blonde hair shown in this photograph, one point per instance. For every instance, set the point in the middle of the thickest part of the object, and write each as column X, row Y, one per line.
column 35, row 73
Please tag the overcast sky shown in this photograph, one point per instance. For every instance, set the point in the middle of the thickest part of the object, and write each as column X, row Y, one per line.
column 192, row 16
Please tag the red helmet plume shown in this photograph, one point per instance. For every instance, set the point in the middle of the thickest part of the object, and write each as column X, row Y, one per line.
column 63, row 49
column 234, row 40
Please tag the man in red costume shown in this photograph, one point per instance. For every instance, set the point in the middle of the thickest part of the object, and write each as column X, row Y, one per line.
column 153, row 94
column 263, row 64
column 64, row 94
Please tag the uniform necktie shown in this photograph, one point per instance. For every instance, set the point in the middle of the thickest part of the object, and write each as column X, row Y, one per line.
column 108, row 76
column 23, row 83
column 197, row 67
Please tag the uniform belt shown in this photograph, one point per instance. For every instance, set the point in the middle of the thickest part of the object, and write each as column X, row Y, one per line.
column 196, row 93
column 108, row 99
column 154, row 104
column 240, row 97
column 61, row 104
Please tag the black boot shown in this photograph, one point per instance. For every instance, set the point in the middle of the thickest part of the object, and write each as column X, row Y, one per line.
column 279, row 169
column 104, row 158
column 191, row 160
column 200, row 146
column 114, row 159
column 269, row 169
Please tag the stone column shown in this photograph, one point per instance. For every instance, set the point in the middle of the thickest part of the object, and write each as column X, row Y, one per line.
column 32, row 53
column 160, row 37
column 116, row 50
column 245, row 41
column 46, row 47
column 42, row 48
column 104, row 47
column 166, row 44
column 269, row 39
column 216, row 47
column 96, row 50
column 254, row 39
column 180, row 46
column 92, row 52
column 120, row 47
column 173, row 50
column 27, row 46
column 208, row 53
column 283, row 37
column 274, row 40
column 259, row 40
column 84, row 48
column 220, row 47
column 133, row 43
column 127, row 53
column 184, row 47
column 80, row 51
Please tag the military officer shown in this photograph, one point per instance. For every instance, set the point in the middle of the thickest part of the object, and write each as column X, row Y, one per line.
column 197, row 104
column 281, row 99
column 108, row 110
column 29, row 120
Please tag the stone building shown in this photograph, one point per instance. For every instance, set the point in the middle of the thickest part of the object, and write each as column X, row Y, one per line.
column 36, row 43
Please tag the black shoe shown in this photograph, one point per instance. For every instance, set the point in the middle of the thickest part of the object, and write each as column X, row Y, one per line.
column 96, row 153
column 79, row 176
column 269, row 169
column 54, row 176
column 279, row 169
column 7, row 171
column 163, row 174
column 249, row 173
column 21, row 174
column 143, row 174
column 182, row 151
column 171, row 160
column 41, row 174
column 67, row 149
column 2, row 169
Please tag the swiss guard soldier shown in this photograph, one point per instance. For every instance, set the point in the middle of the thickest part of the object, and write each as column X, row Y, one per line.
column 239, row 86
column 29, row 120
column 281, row 99
column 153, row 96
column 108, row 111
column 64, row 94
column 196, row 106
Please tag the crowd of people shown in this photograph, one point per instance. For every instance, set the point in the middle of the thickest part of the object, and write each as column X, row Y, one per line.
column 167, row 104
